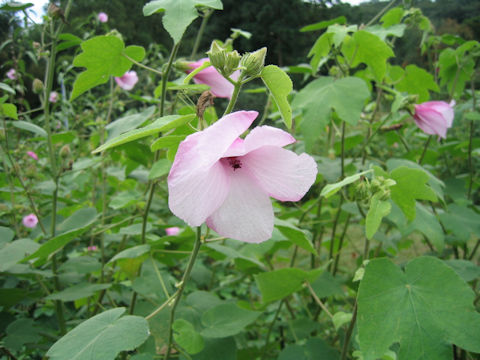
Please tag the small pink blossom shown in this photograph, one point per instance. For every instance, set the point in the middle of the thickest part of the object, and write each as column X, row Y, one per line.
column 102, row 17
column 434, row 117
column 32, row 155
column 128, row 80
column 227, row 182
column 53, row 98
column 219, row 86
column 92, row 248
column 30, row 221
column 172, row 231
column 12, row 74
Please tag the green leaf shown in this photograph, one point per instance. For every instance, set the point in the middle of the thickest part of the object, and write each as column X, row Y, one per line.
column 326, row 285
column 124, row 199
column 341, row 318
column 331, row 189
column 131, row 253
column 225, row 320
column 416, row 81
column 427, row 223
column 364, row 47
column 162, row 124
column 324, row 24
column 68, row 41
column 159, row 169
column 313, row 349
column 9, row 110
column 234, row 254
column 129, row 122
column 6, row 235
column 278, row 284
column 20, row 332
column 29, row 127
column 221, row 348
column 377, row 211
column 410, row 186
column 392, row 17
column 167, row 142
column 346, row 97
column 467, row 270
column 103, row 56
column 14, row 251
column 15, row 6
column 101, row 337
column 78, row 291
column 461, row 221
column 424, row 309
column 186, row 336
column 7, row 88
column 280, row 85
column 295, row 235
column 178, row 13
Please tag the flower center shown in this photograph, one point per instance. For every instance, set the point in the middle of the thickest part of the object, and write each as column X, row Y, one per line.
column 235, row 163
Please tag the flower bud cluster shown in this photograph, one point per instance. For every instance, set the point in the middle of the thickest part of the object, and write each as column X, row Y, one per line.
column 367, row 189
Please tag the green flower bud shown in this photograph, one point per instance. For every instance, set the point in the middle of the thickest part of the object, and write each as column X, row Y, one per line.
column 217, row 56
column 253, row 63
column 65, row 151
column 37, row 86
column 231, row 63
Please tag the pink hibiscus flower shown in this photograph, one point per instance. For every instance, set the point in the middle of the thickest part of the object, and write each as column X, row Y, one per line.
column 102, row 17
column 434, row 117
column 225, row 181
column 53, row 98
column 128, row 80
column 219, row 86
column 172, row 231
column 12, row 74
column 30, row 221
column 32, row 155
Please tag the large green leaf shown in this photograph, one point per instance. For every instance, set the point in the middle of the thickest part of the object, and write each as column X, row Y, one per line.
column 101, row 337
column 225, row 320
column 297, row 236
column 278, row 284
column 410, row 186
column 424, row 309
column 78, row 291
column 187, row 337
column 9, row 110
column 316, row 100
column 364, row 47
column 280, row 85
column 14, row 251
column 313, row 349
column 461, row 221
column 417, row 81
column 103, row 56
column 427, row 223
column 164, row 123
column 178, row 13
column 25, row 125
column 6, row 235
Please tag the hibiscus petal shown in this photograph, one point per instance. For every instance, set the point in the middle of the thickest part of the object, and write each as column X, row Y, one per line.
column 219, row 86
column 445, row 109
column 267, row 135
column 196, row 174
column 431, row 122
column 246, row 214
column 283, row 174
column 195, row 197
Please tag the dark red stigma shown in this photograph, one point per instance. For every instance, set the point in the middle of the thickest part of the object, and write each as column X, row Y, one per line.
column 235, row 163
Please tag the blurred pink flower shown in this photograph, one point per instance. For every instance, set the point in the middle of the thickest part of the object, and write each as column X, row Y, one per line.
column 219, row 86
column 12, row 74
column 172, row 231
column 53, row 98
column 92, row 248
column 30, row 221
column 434, row 117
column 102, row 17
column 32, row 155
column 128, row 80
column 226, row 181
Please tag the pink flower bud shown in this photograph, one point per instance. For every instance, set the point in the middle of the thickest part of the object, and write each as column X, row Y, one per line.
column 172, row 231
column 128, row 80
column 92, row 248
column 102, row 17
column 32, row 155
column 30, row 221
column 53, row 98
column 434, row 117
column 12, row 74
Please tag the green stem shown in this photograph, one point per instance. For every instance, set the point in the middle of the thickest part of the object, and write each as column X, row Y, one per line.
column 196, row 71
column 165, row 76
column 424, row 150
column 470, row 142
column 186, row 275
column 381, row 12
column 334, row 230
column 233, row 100
column 340, row 245
column 265, row 110
column 349, row 332
column 206, row 16
column 142, row 66
column 343, row 151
